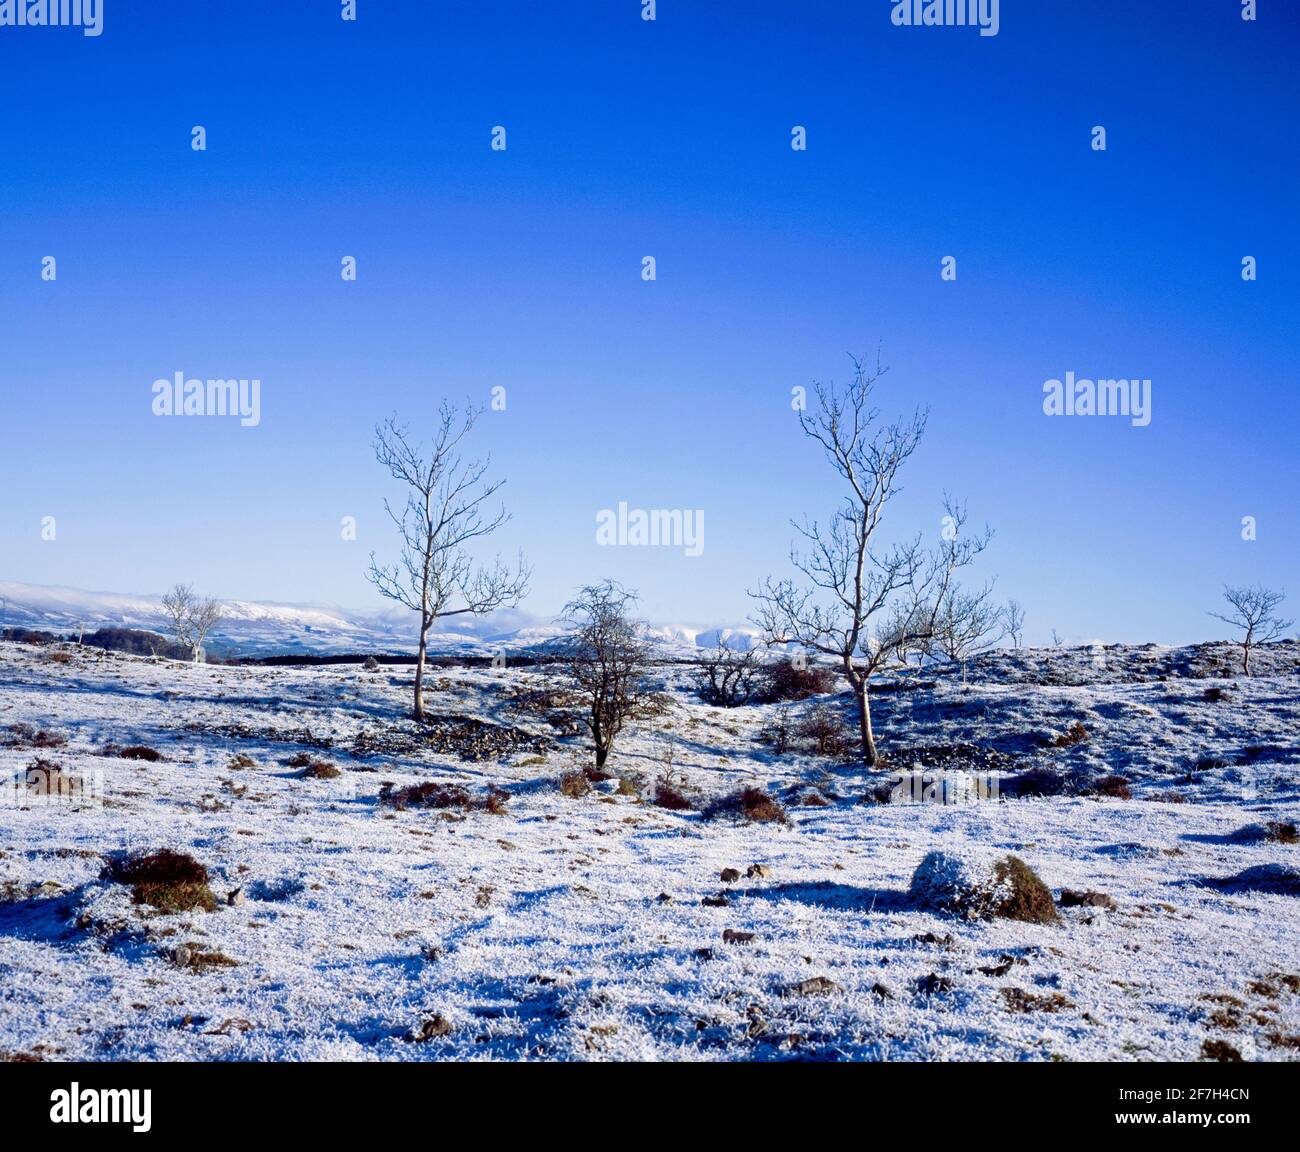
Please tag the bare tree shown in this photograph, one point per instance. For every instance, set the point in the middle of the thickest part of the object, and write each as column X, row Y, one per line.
column 443, row 514
column 1013, row 622
column 852, row 581
column 966, row 623
column 177, row 605
column 729, row 677
column 205, row 615
column 190, row 617
column 1253, row 612
column 607, row 656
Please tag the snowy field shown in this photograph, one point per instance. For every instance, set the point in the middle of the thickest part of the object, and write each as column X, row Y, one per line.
column 598, row 926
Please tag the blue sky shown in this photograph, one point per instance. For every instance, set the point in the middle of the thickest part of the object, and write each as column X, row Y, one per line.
column 522, row 269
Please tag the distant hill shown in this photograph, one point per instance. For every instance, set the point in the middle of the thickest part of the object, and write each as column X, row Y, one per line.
column 258, row 628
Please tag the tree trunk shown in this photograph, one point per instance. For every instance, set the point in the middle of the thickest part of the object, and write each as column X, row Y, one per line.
column 1245, row 659
column 867, row 737
column 602, row 754
column 418, row 711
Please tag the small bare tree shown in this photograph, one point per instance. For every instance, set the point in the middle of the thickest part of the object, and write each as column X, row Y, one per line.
column 607, row 656
column 443, row 514
column 852, row 582
column 966, row 623
column 1013, row 621
column 729, row 677
column 205, row 615
column 177, row 605
column 191, row 617
column 1253, row 611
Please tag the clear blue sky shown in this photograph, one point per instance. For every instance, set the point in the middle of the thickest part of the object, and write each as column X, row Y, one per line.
column 522, row 269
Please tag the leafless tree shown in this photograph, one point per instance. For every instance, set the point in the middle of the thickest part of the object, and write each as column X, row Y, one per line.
column 1253, row 611
column 177, row 606
column 607, row 656
column 443, row 514
column 205, row 615
column 853, row 585
column 190, row 617
column 1013, row 621
column 729, row 677
column 966, row 623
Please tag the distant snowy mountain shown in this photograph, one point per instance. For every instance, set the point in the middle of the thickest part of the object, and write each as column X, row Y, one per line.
column 254, row 628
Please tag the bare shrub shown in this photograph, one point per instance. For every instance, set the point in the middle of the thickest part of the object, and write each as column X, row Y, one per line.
column 779, row 734
column 575, row 785
column 823, row 728
column 1076, row 733
column 133, row 752
column 729, row 677
column 1115, row 787
column 24, row 735
column 431, row 794
column 794, row 680
column 168, row 880
column 752, row 805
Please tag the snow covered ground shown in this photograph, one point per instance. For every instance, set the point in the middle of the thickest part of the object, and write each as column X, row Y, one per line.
column 599, row 926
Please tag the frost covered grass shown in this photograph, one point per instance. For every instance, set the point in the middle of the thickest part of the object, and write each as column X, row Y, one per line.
column 445, row 897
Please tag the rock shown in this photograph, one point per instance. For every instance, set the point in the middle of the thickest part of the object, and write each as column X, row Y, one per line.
column 663, row 898
column 182, row 956
column 236, row 899
column 882, row 990
column 1089, row 899
column 813, row 986
column 730, row 936
column 977, row 885
column 716, row 902
column 431, row 1028
column 932, row 984
column 758, row 872
column 729, row 875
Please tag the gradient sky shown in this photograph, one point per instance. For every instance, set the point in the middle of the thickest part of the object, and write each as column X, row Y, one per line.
column 522, row 269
